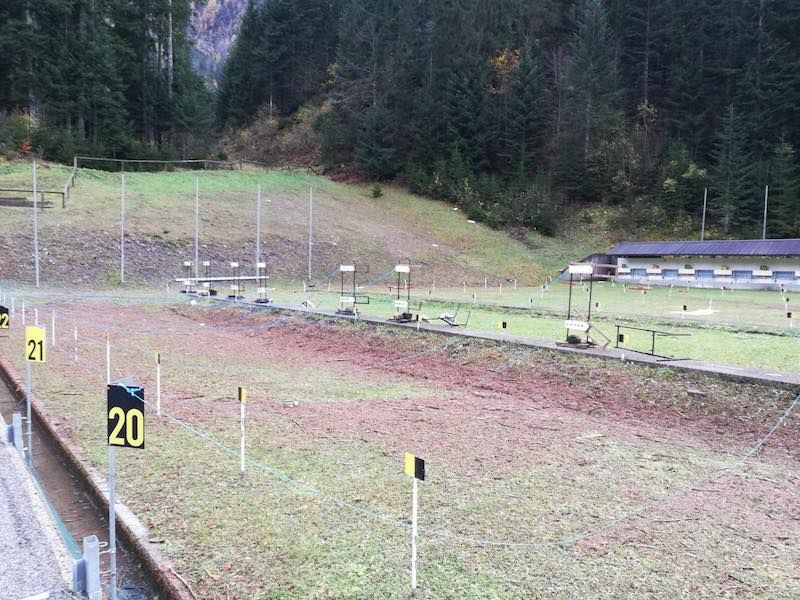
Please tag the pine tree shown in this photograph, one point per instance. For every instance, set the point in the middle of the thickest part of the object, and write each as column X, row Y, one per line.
column 733, row 193
column 783, row 217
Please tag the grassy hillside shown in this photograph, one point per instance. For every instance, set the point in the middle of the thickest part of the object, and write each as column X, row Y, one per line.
column 80, row 244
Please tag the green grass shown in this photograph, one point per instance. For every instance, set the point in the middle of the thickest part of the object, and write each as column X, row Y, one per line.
column 747, row 334
column 349, row 226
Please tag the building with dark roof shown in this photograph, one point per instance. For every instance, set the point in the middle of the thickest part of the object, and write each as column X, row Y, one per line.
column 748, row 264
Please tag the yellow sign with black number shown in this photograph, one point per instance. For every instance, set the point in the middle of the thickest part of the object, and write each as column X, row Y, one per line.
column 35, row 344
column 125, row 416
column 5, row 318
column 415, row 467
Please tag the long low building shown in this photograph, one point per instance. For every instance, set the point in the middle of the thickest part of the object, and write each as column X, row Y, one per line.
column 745, row 264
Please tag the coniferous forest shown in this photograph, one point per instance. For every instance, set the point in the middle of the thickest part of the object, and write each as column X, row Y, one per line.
column 105, row 77
column 513, row 109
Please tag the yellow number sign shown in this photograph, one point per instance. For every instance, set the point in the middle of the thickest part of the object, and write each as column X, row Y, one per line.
column 5, row 318
column 125, row 416
column 34, row 344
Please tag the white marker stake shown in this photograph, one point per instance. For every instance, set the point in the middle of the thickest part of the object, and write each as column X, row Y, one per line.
column 158, row 384
column 485, row 282
column 414, row 537
column 35, row 226
column 13, row 312
column 23, row 311
column 242, row 402
column 122, row 231
column 36, row 316
column 53, row 329
column 108, row 358
column 75, row 339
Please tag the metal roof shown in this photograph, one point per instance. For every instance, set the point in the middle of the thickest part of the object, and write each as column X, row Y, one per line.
column 709, row 248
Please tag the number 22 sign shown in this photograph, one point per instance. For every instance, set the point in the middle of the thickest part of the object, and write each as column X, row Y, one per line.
column 34, row 344
column 125, row 416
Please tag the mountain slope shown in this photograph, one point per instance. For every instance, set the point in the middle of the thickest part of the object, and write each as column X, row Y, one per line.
column 212, row 30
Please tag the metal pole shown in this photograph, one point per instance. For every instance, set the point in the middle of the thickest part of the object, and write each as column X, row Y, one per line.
column 196, row 227
column 258, row 227
column 591, row 282
column 122, row 232
column 112, row 521
column 414, row 537
column 310, row 229
column 766, row 199
column 29, row 395
column 35, row 227
column 705, row 204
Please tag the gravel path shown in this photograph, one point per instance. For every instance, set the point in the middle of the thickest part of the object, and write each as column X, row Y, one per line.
column 34, row 560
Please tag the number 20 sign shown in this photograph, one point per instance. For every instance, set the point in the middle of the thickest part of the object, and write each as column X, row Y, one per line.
column 125, row 416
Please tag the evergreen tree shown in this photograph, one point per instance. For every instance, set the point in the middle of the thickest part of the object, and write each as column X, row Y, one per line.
column 783, row 217
column 733, row 188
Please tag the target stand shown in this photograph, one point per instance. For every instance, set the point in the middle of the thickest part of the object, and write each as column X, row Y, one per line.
column 452, row 320
column 402, row 306
column 262, row 284
column 350, row 298
column 236, row 287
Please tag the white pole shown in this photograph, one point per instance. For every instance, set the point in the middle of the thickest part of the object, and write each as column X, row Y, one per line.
column 414, row 537
column 242, row 402
column 35, row 227
column 158, row 384
column 13, row 312
column 258, row 226
column 122, row 231
column 196, row 227
column 310, row 228
column 75, row 339
column 52, row 329
column 36, row 316
column 23, row 311
column 766, row 199
column 108, row 358
column 705, row 204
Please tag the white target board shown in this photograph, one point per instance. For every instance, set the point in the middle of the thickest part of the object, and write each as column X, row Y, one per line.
column 581, row 269
column 576, row 325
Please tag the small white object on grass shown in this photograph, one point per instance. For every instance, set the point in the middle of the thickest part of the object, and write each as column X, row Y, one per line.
column 470, row 221
column 193, row 302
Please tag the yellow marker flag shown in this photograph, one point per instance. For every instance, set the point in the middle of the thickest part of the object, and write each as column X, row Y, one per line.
column 409, row 464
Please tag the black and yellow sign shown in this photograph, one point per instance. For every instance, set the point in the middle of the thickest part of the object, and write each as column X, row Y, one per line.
column 125, row 416
column 685, row 307
column 242, row 395
column 34, row 344
column 415, row 467
column 789, row 315
column 5, row 318
column 621, row 338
